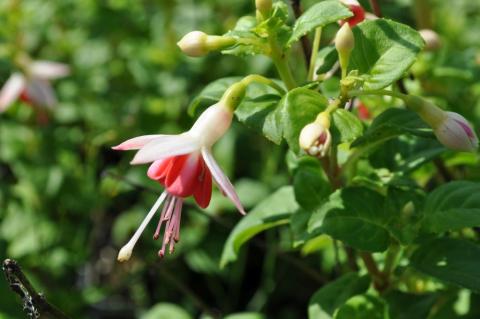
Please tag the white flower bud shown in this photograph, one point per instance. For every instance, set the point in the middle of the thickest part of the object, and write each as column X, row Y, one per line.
column 198, row 43
column 315, row 138
column 344, row 40
column 344, row 43
column 193, row 43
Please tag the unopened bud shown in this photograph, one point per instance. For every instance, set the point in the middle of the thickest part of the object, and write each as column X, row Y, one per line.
column 456, row 133
column 263, row 6
column 431, row 38
column 344, row 43
column 315, row 138
column 451, row 129
column 198, row 43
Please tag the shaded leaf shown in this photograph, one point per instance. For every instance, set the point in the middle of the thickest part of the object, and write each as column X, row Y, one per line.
column 452, row 206
column 384, row 50
column 451, row 260
column 318, row 15
column 273, row 211
column 330, row 297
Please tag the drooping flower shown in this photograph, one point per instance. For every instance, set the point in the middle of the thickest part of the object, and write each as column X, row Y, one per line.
column 185, row 166
column 315, row 138
column 33, row 84
column 357, row 10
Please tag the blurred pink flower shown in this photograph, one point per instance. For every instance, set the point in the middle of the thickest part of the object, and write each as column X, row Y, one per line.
column 33, row 85
column 184, row 165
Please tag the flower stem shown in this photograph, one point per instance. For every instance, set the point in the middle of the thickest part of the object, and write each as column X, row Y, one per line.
column 263, row 80
column 313, row 56
column 281, row 63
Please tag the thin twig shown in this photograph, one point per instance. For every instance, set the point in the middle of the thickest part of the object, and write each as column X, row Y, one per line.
column 34, row 303
column 380, row 282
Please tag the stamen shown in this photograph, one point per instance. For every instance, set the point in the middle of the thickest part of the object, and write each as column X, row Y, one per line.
column 156, row 235
column 126, row 251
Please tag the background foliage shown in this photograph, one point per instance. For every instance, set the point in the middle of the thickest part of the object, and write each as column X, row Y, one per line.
column 68, row 202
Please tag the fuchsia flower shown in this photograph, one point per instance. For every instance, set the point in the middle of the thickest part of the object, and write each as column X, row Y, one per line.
column 33, row 85
column 184, row 165
column 357, row 10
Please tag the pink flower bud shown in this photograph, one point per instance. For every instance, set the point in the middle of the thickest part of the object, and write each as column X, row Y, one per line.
column 456, row 133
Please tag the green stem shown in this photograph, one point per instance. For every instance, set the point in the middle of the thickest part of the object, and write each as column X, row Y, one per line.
column 313, row 56
column 263, row 80
column 281, row 63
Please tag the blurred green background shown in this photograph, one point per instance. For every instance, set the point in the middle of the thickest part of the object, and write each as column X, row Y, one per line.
column 68, row 202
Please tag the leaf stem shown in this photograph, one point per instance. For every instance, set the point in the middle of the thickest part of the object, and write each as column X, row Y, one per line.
column 313, row 56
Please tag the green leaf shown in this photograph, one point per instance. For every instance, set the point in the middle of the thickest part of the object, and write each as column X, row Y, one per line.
column 166, row 311
column 273, row 211
column 452, row 206
column 406, row 153
column 326, row 58
column 330, row 297
column 260, row 115
column 311, row 186
column 409, row 306
column 249, row 42
column 363, row 307
column 384, row 50
column 451, row 260
column 404, row 206
column 300, row 107
column 318, row 15
column 355, row 216
column 346, row 126
column 392, row 123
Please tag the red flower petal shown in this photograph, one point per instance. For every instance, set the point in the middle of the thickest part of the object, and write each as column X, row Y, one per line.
column 187, row 178
column 203, row 192
column 358, row 15
column 174, row 169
